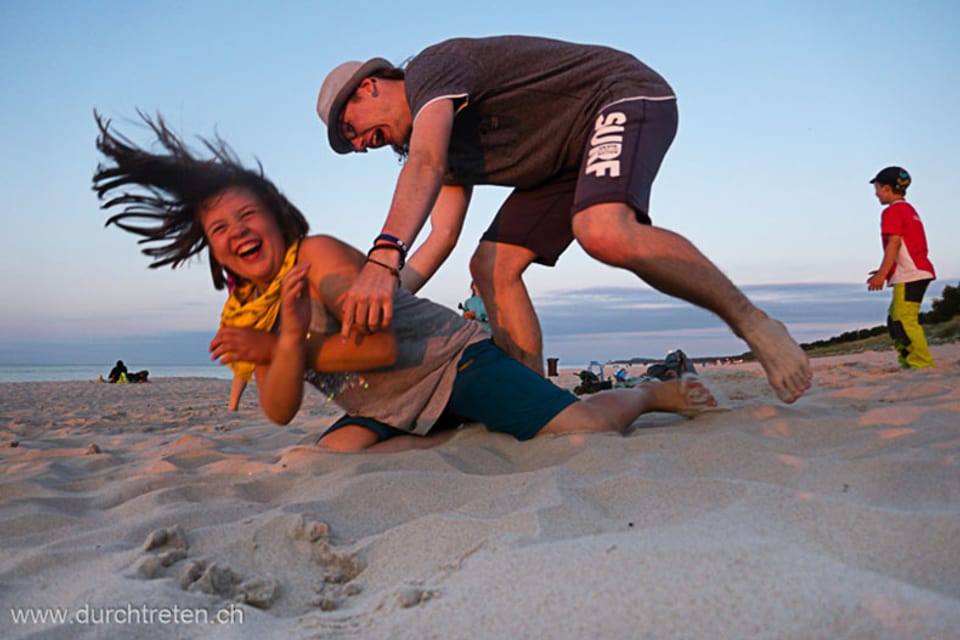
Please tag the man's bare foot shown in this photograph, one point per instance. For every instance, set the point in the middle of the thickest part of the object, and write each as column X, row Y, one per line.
column 687, row 396
column 786, row 365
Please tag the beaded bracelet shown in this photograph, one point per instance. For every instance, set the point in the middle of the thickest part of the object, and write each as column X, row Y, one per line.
column 395, row 273
column 403, row 254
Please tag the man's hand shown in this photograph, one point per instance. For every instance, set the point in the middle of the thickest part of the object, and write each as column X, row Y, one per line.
column 368, row 303
column 876, row 281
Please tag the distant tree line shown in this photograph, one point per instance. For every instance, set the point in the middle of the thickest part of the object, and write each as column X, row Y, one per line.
column 847, row 336
column 942, row 309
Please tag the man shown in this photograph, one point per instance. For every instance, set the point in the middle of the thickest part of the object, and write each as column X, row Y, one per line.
column 905, row 267
column 578, row 131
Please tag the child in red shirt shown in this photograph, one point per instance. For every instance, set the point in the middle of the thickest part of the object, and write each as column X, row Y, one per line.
column 905, row 267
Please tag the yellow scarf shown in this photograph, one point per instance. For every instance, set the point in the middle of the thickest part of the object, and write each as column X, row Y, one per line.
column 244, row 310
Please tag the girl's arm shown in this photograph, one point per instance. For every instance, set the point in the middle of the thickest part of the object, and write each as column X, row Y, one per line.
column 333, row 267
column 325, row 270
column 280, row 383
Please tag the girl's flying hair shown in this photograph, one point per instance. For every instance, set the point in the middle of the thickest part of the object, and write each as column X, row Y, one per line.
column 169, row 189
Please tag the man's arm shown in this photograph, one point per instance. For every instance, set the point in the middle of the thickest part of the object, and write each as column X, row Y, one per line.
column 368, row 305
column 890, row 251
column 446, row 223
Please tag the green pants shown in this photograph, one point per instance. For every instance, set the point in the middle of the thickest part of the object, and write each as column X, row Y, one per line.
column 903, row 323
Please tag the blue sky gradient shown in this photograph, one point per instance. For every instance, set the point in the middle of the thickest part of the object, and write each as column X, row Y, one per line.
column 787, row 110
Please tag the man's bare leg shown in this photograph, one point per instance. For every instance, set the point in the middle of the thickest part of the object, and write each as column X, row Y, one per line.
column 497, row 270
column 670, row 263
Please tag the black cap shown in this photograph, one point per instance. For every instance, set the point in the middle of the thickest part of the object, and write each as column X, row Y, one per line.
column 896, row 177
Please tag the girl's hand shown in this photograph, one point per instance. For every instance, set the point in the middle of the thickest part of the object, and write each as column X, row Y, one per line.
column 295, row 302
column 241, row 344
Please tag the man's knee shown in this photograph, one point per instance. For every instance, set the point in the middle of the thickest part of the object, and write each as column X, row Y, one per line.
column 602, row 231
column 481, row 265
column 494, row 263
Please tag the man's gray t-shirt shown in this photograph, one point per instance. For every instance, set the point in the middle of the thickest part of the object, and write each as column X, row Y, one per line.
column 525, row 105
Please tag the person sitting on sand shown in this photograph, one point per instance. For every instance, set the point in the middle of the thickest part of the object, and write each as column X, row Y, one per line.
column 118, row 372
column 430, row 370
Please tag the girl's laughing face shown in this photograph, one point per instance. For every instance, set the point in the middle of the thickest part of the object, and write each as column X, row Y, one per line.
column 243, row 235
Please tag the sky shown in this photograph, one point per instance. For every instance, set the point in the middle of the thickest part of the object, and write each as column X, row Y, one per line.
column 787, row 110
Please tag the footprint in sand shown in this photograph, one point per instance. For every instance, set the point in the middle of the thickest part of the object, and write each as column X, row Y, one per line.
column 295, row 536
column 220, row 581
column 174, row 543
column 170, row 547
column 339, row 567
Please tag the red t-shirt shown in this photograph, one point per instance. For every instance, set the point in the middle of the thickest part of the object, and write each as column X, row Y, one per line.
column 901, row 219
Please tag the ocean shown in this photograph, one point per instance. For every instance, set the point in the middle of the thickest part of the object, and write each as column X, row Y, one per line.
column 55, row 373
column 602, row 324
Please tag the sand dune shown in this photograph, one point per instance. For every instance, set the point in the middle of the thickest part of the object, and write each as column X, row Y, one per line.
column 137, row 509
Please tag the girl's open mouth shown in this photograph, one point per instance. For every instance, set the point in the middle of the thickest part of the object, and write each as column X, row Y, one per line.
column 249, row 250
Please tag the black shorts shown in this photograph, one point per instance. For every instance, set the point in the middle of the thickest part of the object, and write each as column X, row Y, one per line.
column 621, row 160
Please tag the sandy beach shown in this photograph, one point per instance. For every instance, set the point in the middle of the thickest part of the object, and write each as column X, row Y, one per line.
column 150, row 511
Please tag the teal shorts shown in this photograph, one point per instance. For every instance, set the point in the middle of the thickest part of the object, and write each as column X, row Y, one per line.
column 491, row 388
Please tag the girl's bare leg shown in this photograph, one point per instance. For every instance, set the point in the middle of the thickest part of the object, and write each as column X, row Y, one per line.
column 616, row 409
column 611, row 410
column 353, row 438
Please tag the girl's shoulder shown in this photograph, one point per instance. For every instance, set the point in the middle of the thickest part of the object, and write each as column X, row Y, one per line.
column 327, row 250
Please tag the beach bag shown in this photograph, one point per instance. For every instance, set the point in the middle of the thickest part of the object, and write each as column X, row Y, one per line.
column 675, row 365
column 590, row 383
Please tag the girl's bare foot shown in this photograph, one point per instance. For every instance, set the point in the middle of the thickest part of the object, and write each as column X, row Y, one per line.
column 687, row 396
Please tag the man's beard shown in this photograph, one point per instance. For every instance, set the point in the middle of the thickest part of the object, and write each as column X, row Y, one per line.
column 402, row 151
